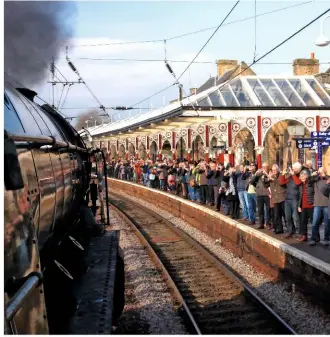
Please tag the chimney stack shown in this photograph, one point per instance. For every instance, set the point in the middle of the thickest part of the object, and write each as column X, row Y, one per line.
column 309, row 66
column 193, row 91
column 225, row 65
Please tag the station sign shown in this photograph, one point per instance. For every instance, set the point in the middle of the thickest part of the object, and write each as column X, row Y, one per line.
column 305, row 143
column 322, row 134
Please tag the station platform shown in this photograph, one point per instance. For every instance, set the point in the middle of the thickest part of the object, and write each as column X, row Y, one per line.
column 283, row 259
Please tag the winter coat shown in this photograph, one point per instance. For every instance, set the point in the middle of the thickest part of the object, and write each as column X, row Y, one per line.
column 242, row 182
column 261, row 184
column 292, row 186
column 200, row 175
column 213, row 177
column 278, row 191
column 325, row 189
column 226, row 179
column 309, row 190
column 319, row 198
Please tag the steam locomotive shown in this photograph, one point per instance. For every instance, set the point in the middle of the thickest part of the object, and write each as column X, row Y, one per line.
column 47, row 170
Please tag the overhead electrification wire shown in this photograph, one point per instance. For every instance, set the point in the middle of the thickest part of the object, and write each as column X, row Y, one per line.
column 59, row 101
column 67, row 92
column 191, row 33
column 270, row 51
column 177, row 80
column 255, row 30
column 75, row 70
column 61, row 73
column 172, row 61
column 27, row 88
column 157, row 93
column 209, row 39
column 253, row 63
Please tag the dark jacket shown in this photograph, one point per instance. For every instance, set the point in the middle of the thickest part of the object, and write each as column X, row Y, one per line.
column 162, row 172
column 292, row 186
column 213, row 177
column 220, row 174
column 226, row 179
column 182, row 175
column 261, row 184
column 319, row 198
column 277, row 190
column 145, row 168
column 325, row 189
column 242, row 182
column 310, row 192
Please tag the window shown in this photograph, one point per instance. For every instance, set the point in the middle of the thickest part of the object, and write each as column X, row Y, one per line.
column 318, row 90
column 42, row 125
column 288, row 92
column 204, row 102
column 228, row 96
column 242, row 97
column 29, row 123
column 12, row 121
column 215, row 99
column 54, row 129
column 302, row 92
column 260, row 92
column 274, row 92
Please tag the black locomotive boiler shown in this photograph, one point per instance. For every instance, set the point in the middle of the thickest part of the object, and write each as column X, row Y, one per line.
column 46, row 176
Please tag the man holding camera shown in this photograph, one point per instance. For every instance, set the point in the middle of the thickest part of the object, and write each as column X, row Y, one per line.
column 290, row 180
column 261, row 182
column 201, row 179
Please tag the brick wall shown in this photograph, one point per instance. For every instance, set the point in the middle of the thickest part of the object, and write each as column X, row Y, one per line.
column 306, row 67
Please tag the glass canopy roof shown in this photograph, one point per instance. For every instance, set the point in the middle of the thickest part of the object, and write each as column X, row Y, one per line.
column 249, row 91
column 244, row 91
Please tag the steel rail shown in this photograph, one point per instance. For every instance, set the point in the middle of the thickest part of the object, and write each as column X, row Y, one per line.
column 210, row 257
column 158, row 263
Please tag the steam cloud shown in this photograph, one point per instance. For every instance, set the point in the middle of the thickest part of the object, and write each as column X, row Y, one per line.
column 34, row 32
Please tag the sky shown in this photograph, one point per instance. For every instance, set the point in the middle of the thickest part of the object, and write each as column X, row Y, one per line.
column 124, row 83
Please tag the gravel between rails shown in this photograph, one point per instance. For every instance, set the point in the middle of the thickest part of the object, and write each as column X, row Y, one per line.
column 303, row 316
column 149, row 307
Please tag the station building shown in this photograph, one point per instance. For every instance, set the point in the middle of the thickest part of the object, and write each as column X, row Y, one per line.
column 233, row 115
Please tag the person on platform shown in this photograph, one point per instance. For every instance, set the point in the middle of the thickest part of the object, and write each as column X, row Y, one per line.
column 201, row 179
column 242, row 190
column 278, row 194
column 320, row 204
column 221, row 190
column 231, row 193
column 261, row 182
column 306, row 203
column 213, row 176
column 290, row 179
column 326, row 192
column 251, row 194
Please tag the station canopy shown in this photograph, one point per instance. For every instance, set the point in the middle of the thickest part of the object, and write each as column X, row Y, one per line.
column 243, row 91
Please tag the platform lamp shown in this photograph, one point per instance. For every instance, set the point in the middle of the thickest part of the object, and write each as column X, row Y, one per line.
column 322, row 40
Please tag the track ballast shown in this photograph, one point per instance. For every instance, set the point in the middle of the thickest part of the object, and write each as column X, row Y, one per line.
column 213, row 299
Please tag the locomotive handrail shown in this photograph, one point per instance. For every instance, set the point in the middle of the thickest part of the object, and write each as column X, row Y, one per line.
column 45, row 140
column 16, row 302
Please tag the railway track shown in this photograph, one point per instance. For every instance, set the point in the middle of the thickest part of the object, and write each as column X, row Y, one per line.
column 212, row 298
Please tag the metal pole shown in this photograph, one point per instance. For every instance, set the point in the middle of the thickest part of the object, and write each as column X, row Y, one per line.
column 18, row 299
column 181, row 150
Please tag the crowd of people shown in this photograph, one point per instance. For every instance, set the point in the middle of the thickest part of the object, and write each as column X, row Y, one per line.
column 277, row 200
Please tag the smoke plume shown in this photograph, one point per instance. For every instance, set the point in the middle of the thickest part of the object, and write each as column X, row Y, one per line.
column 34, row 33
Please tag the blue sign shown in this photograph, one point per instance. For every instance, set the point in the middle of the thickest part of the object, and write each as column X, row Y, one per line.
column 305, row 143
column 321, row 134
column 319, row 155
column 324, row 142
